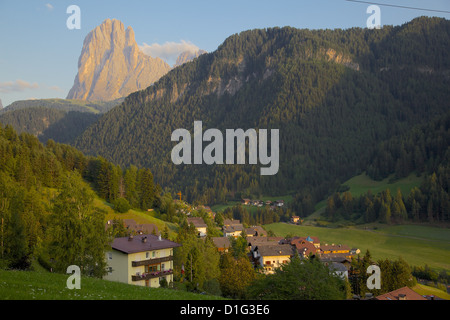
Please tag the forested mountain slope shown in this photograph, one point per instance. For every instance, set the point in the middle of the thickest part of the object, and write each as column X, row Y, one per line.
column 333, row 94
column 61, row 120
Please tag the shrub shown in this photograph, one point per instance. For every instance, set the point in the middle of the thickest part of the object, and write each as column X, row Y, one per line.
column 121, row 205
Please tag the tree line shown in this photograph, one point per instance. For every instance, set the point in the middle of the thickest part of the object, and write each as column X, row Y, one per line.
column 430, row 202
column 47, row 206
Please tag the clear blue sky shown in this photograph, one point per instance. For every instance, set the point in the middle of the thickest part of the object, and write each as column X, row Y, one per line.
column 39, row 54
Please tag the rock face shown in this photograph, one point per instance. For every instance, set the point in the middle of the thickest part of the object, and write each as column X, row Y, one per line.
column 112, row 66
column 187, row 56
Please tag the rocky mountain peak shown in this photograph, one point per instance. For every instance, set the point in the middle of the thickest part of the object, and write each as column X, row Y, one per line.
column 112, row 66
column 187, row 56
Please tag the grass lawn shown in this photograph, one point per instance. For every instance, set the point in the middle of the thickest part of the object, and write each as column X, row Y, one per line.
column 40, row 285
column 418, row 245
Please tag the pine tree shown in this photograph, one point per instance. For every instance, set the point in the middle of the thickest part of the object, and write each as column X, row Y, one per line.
column 130, row 180
column 17, row 249
column 415, row 210
column 146, row 189
column 385, row 212
column 430, row 211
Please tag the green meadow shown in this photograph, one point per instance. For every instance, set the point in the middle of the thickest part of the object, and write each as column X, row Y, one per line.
column 43, row 285
column 418, row 245
column 361, row 184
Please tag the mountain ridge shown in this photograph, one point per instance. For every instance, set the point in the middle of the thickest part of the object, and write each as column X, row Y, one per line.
column 112, row 66
column 323, row 88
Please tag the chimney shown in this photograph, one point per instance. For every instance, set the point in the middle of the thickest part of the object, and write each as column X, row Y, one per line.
column 159, row 237
column 402, row 296
column 144, row 239
column 130, row 237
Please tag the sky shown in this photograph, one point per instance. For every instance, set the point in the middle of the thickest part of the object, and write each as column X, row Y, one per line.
column 39, row 53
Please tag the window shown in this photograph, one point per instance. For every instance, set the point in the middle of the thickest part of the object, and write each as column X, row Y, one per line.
column 153, row 254
column 162, row 266
column 109, row 255
column 152, row 268
column 147, row 254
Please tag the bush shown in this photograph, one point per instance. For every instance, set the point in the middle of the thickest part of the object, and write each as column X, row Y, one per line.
column 121, row 205
column 212, row 287
column 163, row 283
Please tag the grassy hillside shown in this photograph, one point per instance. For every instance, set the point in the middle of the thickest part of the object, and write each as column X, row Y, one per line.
column 361, row 184
column 418, row 245
column 39, row 285
column 139, row 216
column 427, row 290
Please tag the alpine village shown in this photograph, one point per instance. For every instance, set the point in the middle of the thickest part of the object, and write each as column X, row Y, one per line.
column 362, row 188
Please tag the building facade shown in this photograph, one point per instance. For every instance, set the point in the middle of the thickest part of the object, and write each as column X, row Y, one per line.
column 143, row 260
column 271, row 257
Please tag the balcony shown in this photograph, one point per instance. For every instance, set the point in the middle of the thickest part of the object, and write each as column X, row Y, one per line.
column 151, row 261
column 151, row 275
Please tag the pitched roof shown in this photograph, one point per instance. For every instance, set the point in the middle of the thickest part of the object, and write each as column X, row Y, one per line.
column 141, row 243
column 338, row 257
column 275, row 250
column 256, row 231
column 308, row 238
column 233, row 228
column 404, row 293
column 260, row 241
column 305, row 248
column 221, row 242
column 336, row 266
column 334, row 247
column 198, row 222
column 228, row 222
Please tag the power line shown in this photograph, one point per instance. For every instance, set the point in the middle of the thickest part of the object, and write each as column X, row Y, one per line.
column 397, row 6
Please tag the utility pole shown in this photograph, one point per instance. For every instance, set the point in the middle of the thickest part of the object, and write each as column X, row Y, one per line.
column 2, row 237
